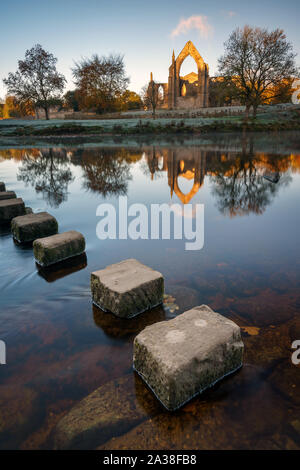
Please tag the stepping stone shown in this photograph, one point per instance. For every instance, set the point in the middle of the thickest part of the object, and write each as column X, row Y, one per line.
column 10, row 208
column 27, row 228
column 51, row 250
column 2, row 186
column 7, row 195
column 182, row 357
column 127, row 288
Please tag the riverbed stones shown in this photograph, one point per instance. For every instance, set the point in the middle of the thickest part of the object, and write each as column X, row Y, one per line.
column 127, row 288
column 110, row 410
column 2, row 186
column 18, row 414
column 180, row 358
column 59, row 247
column 10, row 208
column 29, row 227
column 7, row 195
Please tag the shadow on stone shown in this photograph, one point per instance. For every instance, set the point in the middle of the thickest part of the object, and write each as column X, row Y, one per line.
column 4, row 228
column 63, row 268
column 22, row 245
column 116, row 327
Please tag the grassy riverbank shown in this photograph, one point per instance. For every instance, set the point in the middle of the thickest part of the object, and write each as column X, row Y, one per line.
column 267, row 121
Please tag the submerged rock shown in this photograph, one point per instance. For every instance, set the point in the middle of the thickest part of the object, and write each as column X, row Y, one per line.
column 266, row 348
column 286, row 380
column 18, row 407
column 10, row 208
column 186, row 297
column 267, row 307
column 182, row 357
column 109, row 411
column 51, row 250
column 234, row 414
column 127, row 288
column 29, row 227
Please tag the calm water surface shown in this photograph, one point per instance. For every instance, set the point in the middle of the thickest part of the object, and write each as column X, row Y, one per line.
column 60, row 347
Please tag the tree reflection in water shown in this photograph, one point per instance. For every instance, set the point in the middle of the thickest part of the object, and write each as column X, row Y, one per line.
column 237, row 175
column 239, row 184
column 106, row 171
column 49, row 172
column 237, row 178
column 243, row 189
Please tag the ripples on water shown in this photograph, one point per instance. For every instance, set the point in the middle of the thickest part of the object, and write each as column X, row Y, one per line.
column 60, row 347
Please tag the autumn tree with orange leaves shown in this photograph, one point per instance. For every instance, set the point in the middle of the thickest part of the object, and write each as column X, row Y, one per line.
column 101, row 82
column 259, row 61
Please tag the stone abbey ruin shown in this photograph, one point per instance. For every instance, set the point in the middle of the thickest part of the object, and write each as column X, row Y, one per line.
column 190, row 91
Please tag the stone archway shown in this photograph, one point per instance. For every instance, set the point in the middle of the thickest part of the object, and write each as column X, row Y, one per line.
column 189, row 50
column 175, row 82
column 185, row 198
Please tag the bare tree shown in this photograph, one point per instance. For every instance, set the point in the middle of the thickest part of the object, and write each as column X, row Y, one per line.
column 152, row 95
column 36, row 80
column 258, row 61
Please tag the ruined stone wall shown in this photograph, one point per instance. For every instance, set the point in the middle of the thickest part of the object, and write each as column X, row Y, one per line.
column 189, row 102
column 198, row 84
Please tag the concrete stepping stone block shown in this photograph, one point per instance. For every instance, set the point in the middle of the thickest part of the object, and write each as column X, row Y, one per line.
column 180, row 358
column 51, row 250
column 10, row 208
column 7, row 195
column 127, row 288
column 29, row 227
column 2, row 186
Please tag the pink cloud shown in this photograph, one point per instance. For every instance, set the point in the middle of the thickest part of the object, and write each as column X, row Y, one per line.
column 198, row 22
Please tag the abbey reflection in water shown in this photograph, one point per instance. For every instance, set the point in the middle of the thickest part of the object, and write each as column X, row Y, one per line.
column 237, row 178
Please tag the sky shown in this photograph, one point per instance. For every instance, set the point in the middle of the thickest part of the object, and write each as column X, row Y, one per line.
column 145, row 32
